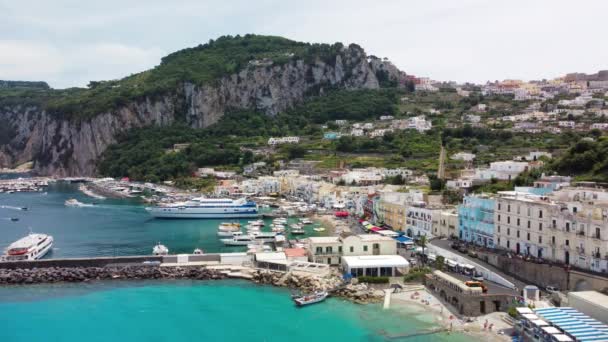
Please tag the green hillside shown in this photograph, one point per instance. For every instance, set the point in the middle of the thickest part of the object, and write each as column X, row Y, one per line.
column 203, row 64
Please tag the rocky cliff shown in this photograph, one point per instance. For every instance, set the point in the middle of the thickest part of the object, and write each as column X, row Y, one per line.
column 65, row 147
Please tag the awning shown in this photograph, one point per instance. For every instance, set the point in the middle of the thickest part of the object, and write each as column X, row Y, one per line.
column 375, row 229
column 404, row 240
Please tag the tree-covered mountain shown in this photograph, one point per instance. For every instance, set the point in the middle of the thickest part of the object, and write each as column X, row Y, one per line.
column 65, row 131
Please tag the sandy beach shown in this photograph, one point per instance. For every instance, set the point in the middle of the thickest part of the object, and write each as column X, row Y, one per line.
column 416, row 295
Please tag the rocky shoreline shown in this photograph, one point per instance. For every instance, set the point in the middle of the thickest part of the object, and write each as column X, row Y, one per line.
column 359, row 293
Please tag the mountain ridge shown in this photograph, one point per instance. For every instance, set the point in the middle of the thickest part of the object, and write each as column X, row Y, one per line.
column 65, row 132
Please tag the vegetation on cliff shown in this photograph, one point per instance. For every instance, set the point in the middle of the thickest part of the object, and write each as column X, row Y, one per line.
column 146, row 154
column 203, row 64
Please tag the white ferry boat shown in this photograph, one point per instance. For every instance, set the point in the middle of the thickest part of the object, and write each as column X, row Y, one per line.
column 31, row 247
column 206, row 208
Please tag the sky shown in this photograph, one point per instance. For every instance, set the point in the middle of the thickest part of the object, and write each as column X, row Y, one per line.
column 71, row 42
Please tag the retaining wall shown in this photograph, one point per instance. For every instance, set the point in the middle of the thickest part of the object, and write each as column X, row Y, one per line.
column 79, row 262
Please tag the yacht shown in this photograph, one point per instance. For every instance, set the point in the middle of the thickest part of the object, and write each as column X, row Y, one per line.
column 160, row 250
column 229, row 234
column 32, row 247
column 206, row 208
column 306, row 221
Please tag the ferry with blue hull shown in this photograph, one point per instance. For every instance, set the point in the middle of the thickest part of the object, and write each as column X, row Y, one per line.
column 206, row 208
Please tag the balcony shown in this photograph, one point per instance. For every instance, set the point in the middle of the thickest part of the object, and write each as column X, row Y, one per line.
column 326, row 253
column 566, row 247
column 580, row 250
column 580, row 233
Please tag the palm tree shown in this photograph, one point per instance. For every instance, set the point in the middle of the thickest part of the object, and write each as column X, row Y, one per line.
column 422, row 243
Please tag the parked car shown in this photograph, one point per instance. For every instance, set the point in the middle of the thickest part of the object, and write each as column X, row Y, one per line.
column 463, row 249
column 551, row 289
column 472, row 254
column 455, row 245
column 477, row 276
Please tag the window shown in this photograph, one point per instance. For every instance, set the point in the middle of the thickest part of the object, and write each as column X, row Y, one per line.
column 340, row 249
column 498, row 205
column 567, row 226
column 508, row 208
column 529, row 211
column 540, row 226
column 528, row 236
column 540, row 214
column 553, row 240
column 540, row 239
column 319, row 250
column 574, row 209
column 499, row 241
column 498, row 227
column 554, row 224
column 508, row 219
column 365, row 248
column 328, row 249
column 508, row 244
column 518, row 222
column 567, row 242
column 518, row 233
column 498, row 217
column 597, row 232
column 508, row 231
column 352, row 249
column 528, row 224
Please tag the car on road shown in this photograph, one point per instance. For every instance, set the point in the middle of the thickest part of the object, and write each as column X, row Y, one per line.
column 551, row 289
column 455, row 245
column 413, row 261
column 477, row 276
column 463, row 249
column 472, row 254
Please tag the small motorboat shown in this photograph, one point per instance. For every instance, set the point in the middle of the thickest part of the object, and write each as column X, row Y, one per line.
column 198, row 251
column 316, row 297
column 319, row 229
column 298, row 231
column 14, row 219
column 72, row 202
column 160, row 250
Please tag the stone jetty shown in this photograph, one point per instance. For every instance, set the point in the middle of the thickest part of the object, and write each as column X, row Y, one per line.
column 359, row 293
column 22, row 276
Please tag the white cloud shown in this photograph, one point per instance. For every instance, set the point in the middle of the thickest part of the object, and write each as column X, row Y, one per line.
column 69, row 42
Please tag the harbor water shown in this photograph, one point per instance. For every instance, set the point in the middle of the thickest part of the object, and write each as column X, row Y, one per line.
column 113, row 227
column 197, row 311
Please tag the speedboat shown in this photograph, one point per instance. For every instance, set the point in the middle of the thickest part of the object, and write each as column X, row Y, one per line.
column 198, row 251
column 32, row 247
column 306, row 221
column 319, row 229
column 160, row 250
column 72, row 202
column 313, row 298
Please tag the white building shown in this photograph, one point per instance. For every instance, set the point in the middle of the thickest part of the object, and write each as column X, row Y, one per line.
column 357, row 132
column 283, row 140
column 464, row 156
column 566, row 124
column 375, row 265
column 331, row 249
column 419, row 220
column 502, row 170
column 380, row 132
column 386, row 117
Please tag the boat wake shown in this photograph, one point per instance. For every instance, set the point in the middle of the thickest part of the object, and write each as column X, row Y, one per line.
column 11, row 207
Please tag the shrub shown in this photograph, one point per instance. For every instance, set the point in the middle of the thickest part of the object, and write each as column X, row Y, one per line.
column 373, row 280
column 416, row 274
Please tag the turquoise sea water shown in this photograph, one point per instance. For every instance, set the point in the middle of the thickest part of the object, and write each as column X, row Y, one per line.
column 195, row 311
column 112, row 227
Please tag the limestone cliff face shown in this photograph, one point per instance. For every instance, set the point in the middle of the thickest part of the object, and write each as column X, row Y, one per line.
column 61, row 147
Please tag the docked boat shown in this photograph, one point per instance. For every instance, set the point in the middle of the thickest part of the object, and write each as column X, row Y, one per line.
column 32, row 247
column 229, row 234
column 240, row 240
column 313, row 298
column 198, row 251
column 160, row 250
column 72, row 202
column 227, row 229
column 306, row 221
column 319, row 229
column 206, row 208
column 258, row 223
column 298, row 231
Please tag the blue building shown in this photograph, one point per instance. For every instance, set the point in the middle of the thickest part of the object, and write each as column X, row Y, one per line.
column 476, row 220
